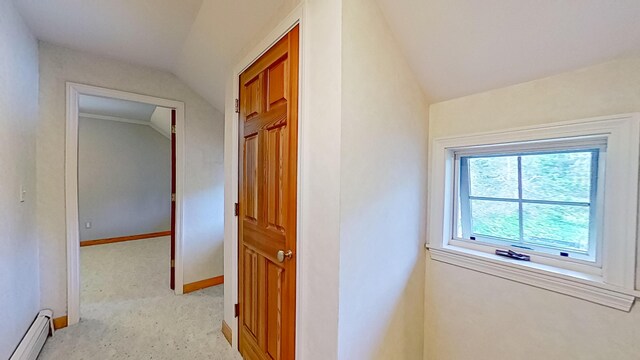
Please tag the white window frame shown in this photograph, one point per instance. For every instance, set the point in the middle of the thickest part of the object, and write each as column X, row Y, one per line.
column 589, row 261
column 610, row 280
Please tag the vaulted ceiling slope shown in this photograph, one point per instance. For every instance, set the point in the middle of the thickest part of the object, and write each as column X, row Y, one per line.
column 461, row 47
column 102, row 106
column 455, row 47
column 197, row 40
column 108, row 109
column 149, row 32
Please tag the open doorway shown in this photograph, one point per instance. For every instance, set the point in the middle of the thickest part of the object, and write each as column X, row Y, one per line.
column 123, row 154
column 125, row 201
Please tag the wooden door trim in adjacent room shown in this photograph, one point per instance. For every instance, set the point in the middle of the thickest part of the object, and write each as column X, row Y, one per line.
column 112, row 240
column 73, row 91
column 268, row 198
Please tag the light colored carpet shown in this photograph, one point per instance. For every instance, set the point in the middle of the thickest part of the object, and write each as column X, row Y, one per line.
column 129, row 312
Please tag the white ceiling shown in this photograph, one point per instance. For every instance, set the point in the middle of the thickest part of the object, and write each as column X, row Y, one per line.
column 103, row 108
column 455, row 47
column 219, row 33
column 161, row 121
column 195, row 39
column 149, row 32
column 460, row 47
column 97, row 105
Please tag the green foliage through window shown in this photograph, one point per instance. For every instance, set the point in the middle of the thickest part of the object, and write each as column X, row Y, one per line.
column 542, row 199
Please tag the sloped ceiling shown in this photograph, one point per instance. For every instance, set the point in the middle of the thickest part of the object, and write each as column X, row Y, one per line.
column 460, row 47
column 98, row 105
column 109, row 109
column 217, row 36
column 161, row 121
column 455, row 47
column 149, row 32
column 197, row 40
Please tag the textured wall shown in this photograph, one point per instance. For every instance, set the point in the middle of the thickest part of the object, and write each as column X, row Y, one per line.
column 203, row 187
column 124, row 179
column 382, row 193
column 470, row 315
column 19, row 283
column 362, row 190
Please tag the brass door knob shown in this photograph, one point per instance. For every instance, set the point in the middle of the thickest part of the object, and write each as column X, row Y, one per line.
column 282, row 255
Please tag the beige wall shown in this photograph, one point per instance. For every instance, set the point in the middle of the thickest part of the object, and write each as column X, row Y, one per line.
column 470, row 315
column 382, row 193
column 19, row 279
column 319, row 181
column 203, row 187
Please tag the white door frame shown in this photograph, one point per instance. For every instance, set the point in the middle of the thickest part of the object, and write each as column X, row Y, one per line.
column 74, row 90
column 289, row 22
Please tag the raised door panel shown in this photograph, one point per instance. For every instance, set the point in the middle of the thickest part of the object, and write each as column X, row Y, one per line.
column 250, row 292
column 254, row 99
column 276, row 151
column 251, row 180
column 274, row 311
column 277, row 82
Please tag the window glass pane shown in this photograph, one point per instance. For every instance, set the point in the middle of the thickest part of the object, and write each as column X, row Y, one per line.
column 557, row 177
column 495, row 218
column 560, row 226
column 494, row 176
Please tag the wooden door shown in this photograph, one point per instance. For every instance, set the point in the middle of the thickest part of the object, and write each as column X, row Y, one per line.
column 267, row 209
column 173, row 200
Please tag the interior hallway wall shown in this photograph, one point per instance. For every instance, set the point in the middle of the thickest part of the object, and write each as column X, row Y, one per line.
column 372, row 120
column 124, row 179
column 319, row 180
column 469, row 314
column 203, row 186
column 19, row 278
column 382, row 193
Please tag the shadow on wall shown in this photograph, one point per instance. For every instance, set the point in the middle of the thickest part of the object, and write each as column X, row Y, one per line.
column 204, row 227
column 405, row 327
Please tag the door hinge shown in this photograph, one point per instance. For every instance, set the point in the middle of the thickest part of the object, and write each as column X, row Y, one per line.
column 236, row 310
column 173, row 129
column 173, row 197
column 173, row 263
column 237, row 106
column 236, row 209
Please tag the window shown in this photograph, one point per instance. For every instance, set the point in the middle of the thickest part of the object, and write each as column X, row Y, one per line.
column 552, row 206
column 541, row 201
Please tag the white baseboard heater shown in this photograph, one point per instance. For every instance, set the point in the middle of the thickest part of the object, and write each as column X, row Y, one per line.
column 37, row 334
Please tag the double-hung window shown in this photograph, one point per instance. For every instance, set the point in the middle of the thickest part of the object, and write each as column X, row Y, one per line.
column 553, row 206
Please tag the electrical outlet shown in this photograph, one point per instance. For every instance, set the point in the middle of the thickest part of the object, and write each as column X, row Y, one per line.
column 87, row 225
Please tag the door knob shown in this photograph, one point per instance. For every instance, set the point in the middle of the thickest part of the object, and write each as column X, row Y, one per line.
column 284, row 255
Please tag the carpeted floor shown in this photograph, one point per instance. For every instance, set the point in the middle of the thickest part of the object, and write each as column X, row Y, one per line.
column 129, row 312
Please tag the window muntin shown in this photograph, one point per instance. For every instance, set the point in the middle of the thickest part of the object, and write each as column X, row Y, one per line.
column 538, row 201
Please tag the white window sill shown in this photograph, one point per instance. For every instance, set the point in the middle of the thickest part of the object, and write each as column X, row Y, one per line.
column 580, row 285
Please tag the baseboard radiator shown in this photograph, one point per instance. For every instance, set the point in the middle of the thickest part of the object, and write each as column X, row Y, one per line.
column 33, row 341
